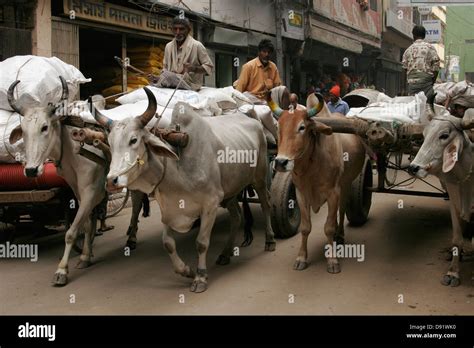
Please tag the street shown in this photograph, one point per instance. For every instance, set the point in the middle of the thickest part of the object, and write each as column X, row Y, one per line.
column 400, row 274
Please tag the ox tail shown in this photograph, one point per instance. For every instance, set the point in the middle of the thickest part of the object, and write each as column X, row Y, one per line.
column 248, row 219
column 146, row 205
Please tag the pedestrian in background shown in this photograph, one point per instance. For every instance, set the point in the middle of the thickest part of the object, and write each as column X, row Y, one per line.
column 336, row 104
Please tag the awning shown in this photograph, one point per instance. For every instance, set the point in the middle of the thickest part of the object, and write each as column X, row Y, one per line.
column 321, row 32
column 338, row 37
column 238, row 38
column 229, row 36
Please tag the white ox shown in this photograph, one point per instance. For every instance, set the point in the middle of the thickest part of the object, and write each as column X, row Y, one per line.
column 192, row 185
column 448, row 153
column 46, row 138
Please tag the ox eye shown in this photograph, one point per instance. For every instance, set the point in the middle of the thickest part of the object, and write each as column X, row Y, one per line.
column 44, row 128
column 302, row 128
column 133, row 141
column 444, row 136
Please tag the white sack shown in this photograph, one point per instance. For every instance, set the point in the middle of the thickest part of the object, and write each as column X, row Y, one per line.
column 162, row 96
column 39, row 78
column 238, row 96
column 121, row 112
column 396, row 109
column 223, row 100
column 13, row 120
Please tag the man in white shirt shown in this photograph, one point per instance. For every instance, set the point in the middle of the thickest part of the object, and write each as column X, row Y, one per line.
column 184, row 58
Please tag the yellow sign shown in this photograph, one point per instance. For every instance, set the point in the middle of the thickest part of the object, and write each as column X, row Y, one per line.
column 100, row 11
column 295, row 19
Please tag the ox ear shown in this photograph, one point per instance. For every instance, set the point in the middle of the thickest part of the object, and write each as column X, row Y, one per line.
column 16, row 134
column 451, row 154
column 319, row 127
column 159, row 147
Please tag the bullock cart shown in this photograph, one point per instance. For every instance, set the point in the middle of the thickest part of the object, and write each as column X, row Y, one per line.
column 387, row 143
column 47, row 203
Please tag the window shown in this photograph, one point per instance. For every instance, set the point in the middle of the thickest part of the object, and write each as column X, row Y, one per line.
column 373, row 5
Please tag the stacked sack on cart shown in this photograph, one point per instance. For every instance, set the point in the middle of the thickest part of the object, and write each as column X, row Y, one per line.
column 387, row 110
column 148, row 58
column 207, row 102
column 461, row 93
column 40, row 85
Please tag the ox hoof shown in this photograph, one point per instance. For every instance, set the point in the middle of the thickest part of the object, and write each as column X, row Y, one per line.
column 59, row 279
column 223, row 260
column 131, row 244
column 83, row 264
column 198, row 286
column 270, row 246
column 450, row 280
column 300, row 265
column 334, row 268
column 340, row 240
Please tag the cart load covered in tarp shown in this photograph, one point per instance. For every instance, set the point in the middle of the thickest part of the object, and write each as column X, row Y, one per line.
column 461, row 93
column 372, row 105
column 39, row 85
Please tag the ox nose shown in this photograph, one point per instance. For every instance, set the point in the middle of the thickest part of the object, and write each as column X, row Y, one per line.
column 31, row 172
column 112, row 183
column 281, row 163
column 413, row 169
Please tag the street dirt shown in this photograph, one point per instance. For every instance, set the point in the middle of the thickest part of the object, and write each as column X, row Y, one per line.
column 404, row 263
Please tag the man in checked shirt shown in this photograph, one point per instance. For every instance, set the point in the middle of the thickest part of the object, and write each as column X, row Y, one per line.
column 421, row 61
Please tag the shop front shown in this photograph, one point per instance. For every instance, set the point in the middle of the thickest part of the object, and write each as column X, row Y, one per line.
column 89, row 34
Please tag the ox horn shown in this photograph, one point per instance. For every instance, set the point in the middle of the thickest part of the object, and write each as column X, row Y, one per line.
column 11, row 99
column 468, row 120
column 431, row 111
column 315, row 110
column 99, row 117
column 276, row 109
column 65, row 94
column 151, row 109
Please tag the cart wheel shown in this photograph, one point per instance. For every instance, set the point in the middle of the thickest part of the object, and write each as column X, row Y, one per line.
column 361, row 197
column 117, row 202
column 286, row 214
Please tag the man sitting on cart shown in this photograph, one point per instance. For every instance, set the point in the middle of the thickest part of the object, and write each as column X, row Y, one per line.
column 185, row 61
column 261, row 75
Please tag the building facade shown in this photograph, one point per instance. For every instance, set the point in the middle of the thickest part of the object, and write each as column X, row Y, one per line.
column 459, row 43
column 396, row 38
column 319, row 42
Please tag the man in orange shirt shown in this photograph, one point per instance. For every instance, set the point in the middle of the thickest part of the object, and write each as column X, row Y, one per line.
column 261, row 75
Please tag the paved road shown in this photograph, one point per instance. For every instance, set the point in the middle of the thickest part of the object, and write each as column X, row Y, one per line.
column 403, row 256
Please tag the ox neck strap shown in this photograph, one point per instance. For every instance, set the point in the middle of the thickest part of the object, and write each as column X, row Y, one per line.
column 162, row 175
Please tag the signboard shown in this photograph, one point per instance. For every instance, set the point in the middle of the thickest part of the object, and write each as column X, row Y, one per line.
column 424, row 10
column 293, row 27
column 433, row 30
column 100, row 11
column 414, row 3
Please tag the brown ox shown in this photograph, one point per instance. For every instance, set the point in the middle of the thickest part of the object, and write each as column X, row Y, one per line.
column 323, row 167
